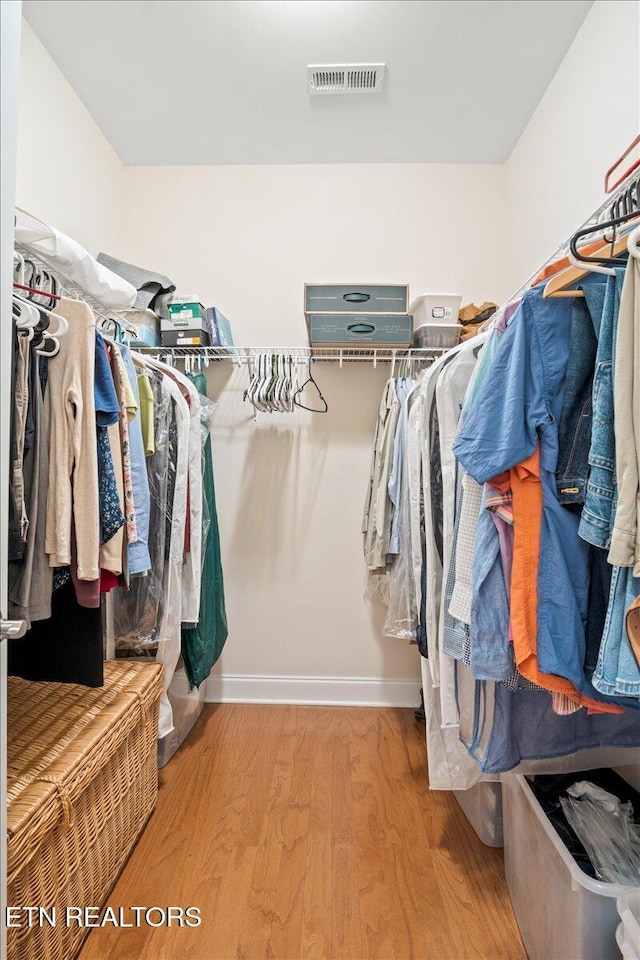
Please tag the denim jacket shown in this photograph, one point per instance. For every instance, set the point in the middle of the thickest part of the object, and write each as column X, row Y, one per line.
column 599, row 508
column 575, row 425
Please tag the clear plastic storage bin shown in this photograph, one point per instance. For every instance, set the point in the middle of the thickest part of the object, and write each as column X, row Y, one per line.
column 444, row 335
column 628, row 932
column 562, row 913
column 186, row 706
column 482, row 806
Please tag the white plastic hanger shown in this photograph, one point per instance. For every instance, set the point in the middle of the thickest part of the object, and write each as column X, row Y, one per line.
column 33, row 311
column 28, row 321
column 592, row 267
column 633, row 243
column 28, row 316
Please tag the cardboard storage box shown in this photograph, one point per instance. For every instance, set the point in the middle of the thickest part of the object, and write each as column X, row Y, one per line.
column 219, row 328
column 196, row 337
column 184, row 312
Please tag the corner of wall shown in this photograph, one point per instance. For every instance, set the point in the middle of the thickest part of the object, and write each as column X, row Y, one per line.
column 554, row 176
column 80, row 187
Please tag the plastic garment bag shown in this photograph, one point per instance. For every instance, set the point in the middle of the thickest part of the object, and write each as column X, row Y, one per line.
column 137, row 612
column 402, row 618
column 202, row 644
column 402, row 615
column 169, row 635
column 451, row 385
column 433, row 565
column 415, row 494
column 192, row 570
column 403, row 599
column 147, row 617
column 376, row 522
column 450, row 766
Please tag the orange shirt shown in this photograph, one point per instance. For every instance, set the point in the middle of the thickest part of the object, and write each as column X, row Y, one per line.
column 526, row 489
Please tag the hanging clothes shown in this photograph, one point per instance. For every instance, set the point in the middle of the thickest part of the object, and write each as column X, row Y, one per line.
column 111, row 490
column 66, row 648
column 203, row 643
column 72, row 498
column 376, row 522
column 138, row 559
column 624, row 549
column 527, row 633
column 137, row 612
column 21, row 566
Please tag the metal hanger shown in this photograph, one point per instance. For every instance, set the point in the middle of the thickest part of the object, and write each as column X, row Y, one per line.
column 300, row 390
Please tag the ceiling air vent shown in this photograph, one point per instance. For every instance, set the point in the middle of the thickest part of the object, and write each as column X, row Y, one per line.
column 345, row 78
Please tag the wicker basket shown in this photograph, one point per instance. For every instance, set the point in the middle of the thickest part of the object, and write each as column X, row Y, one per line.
column 83, row 780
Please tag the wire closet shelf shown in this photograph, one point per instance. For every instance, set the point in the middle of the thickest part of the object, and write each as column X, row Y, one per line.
column 242, row 355
column 238, row 355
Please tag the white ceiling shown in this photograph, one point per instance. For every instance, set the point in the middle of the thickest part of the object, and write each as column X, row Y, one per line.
column 224, row 81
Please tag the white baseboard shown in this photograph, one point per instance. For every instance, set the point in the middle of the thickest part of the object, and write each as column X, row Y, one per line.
column 321, row 691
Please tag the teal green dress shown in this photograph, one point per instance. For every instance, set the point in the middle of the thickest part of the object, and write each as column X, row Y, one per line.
column 202, row 644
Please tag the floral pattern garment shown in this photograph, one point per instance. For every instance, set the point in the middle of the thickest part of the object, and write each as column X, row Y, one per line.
column 120, row 381
column 111, row 517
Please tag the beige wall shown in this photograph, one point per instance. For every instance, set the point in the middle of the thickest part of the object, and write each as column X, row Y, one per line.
column 291, row 488
column 588, row 115
column 247, row 237
column 68, row 173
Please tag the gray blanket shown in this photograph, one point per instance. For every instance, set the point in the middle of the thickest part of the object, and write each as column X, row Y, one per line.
column 154, row 289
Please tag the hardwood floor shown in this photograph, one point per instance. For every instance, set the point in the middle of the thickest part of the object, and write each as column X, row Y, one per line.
column 310, row 832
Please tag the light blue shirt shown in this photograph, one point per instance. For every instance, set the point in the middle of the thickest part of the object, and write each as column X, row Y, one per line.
column 404, row 386
column 138, row 557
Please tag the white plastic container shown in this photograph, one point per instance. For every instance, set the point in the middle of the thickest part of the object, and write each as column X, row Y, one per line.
column 186, row 706
column 431, row 308
column 482, row 806
column 562, row 913
column 628, row 932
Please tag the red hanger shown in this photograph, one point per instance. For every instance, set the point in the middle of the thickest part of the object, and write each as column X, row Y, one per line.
column 44, row 293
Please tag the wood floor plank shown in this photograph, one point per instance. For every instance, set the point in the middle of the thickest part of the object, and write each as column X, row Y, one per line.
column 310, row 833
column 389, row 817
column 346, row 930
column 292, row 826
column 316, row 927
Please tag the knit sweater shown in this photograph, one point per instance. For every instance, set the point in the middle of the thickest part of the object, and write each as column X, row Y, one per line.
column 72, row 497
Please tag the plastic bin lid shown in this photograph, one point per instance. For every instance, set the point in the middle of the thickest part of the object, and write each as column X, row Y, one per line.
column 438, row 325
column 437, row 296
